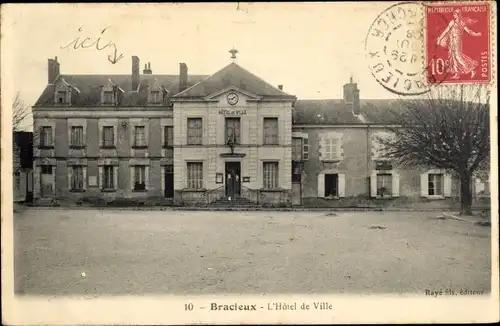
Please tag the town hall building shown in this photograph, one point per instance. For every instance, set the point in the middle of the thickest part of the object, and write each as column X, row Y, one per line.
column 198, row 139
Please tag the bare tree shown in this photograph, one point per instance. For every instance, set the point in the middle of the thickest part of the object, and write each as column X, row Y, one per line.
column 448, row 129
column 20, row 111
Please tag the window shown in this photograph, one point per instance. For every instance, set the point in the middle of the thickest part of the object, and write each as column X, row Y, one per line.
column 108, row 136
column 270, row 175
column 155, row 97
column 77, row 136
column 46, row 137
column 331, row 185
column 140, row 136
column 77, row 178
column 296, row 172
column 194, row 131
column 107, row 97
column 331, row 148
column 436, row 187
column 270, row 131
column 195, row 175
column 108, row 177
column 139, row 177
column 168, row 136
column 61, row 97
column 297, row 149
column 384, row 184
column 233, row 130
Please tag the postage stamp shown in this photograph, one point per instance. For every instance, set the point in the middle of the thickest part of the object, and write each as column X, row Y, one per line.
column 458, row 42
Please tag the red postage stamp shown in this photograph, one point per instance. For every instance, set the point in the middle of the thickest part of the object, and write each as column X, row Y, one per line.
column 458, row 43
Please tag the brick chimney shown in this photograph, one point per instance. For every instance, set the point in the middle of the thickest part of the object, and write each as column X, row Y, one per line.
column 135, row 72
column 147, row 69
column 53, row 69
column 183, row 76
column 280, row 87
column 351, row 96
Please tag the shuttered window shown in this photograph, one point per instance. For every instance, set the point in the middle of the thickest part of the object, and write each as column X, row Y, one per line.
column 77, row 177
column 108, row 177
column 194, row 131
column 384, row 184
column 435, row 184
column 271, row 131
column 195, row 175
column 270, row 175
column 77, row 136
column 233, row 130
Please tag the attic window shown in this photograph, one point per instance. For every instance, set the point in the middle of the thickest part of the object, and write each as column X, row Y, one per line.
column 155, row 97
column 61, row 97
column 107, row 97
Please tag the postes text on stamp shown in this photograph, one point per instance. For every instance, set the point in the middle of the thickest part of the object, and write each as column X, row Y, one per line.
column 457, row 42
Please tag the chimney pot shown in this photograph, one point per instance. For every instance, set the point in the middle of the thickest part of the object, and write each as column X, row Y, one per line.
column 280, row 87
column 135, row 72
column 53, row 70
column 183, row 76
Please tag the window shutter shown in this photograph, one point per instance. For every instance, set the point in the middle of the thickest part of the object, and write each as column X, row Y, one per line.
column 305, row 149
column 321, row 185
column 340, row 148
column 84, row 177
column 424, row 184
column 115, row 177
column 101, row 177
column 162, row 177
column 395, row 184
column 373, row 184
column 70, row 175
column 146, row 177
column 341, row 184
column 146, row 133
column 132, row 177
column 321, row 148
column 447, row 185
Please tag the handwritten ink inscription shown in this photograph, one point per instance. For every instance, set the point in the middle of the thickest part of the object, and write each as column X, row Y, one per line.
column 89, row 42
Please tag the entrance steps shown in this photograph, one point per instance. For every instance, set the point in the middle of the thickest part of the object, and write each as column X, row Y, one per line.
column 234, row 203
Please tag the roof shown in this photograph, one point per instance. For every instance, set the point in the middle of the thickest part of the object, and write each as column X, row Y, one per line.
column 335, row 111
column 233, row 75
column 87, row 88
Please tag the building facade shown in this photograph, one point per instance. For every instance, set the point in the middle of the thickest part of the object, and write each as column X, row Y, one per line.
column 195, row 139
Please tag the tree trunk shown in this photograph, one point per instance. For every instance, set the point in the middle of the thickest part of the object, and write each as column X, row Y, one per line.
column 466, row 194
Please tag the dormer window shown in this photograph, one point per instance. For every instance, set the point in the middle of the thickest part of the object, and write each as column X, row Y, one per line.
column 61, row 97
column 108, row 97
column 156, row 97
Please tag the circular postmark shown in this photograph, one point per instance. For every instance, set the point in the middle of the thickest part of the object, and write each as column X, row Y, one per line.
column 395, row 49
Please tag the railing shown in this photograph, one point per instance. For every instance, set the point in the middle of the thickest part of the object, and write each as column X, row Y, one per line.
column 214, row 194
column 250, row 194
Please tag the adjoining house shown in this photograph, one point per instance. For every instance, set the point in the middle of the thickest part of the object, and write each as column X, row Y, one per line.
column 196, row 139
column 22, row 153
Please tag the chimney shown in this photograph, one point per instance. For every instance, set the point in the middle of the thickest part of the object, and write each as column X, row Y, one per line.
column 351, row 96
column 280, row 87
column 183, row 76
column 53, row 69
column 147, row 69
column 135, row 72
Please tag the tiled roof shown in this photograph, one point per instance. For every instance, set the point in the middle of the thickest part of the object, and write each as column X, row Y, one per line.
column 335, row 111
column 89, row 88
column 233, row 75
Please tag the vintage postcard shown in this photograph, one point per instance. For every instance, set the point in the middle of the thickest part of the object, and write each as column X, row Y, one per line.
column 249, row 163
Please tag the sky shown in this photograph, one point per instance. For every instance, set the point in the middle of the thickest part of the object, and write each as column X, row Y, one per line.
column 312, row 49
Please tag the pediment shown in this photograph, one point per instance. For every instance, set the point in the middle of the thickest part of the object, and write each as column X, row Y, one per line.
column 234, row 89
